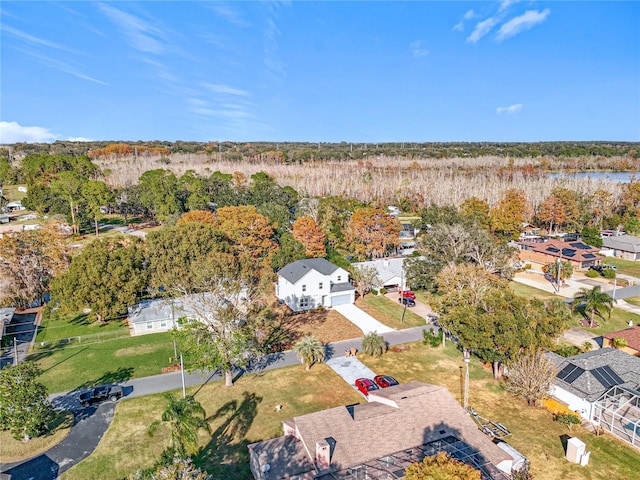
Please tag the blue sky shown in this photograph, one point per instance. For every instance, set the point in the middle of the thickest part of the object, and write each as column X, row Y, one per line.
column 320, row 71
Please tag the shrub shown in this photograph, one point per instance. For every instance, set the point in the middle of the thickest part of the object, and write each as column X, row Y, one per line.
column 609, row 273
column 374, row 291
column 373, row 344
column 587, row 346
column 568, row 419
column 383, row 291
column 431, row 338
column 569, row 350
column 592, row 274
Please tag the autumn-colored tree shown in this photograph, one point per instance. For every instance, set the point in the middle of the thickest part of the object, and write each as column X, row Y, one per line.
column 307, row 232
column 372, row 232
column 199, row 216
column 571, row 203
column 365, row 279
column 551, row 212
column 509, row 213
column 601, row 206
column 441, row 467
column 250, row 232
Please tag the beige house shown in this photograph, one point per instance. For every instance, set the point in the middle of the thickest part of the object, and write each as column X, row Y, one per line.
column 398, row 426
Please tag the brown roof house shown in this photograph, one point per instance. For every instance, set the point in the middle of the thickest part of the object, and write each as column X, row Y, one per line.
column 581, row 255
column 398, row 426
column 631, row 335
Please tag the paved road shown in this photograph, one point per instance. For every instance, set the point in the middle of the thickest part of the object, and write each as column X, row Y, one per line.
column 23, row 327
column 91, row 423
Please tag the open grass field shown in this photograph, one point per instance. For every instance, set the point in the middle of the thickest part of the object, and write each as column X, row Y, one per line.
column 54, row 328
column 389, row 312
column 11, row 193
column 13, row 450
column 238, row 416
column 633, row 301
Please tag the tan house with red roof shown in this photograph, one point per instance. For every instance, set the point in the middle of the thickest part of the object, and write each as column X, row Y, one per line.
column 631, row 335
column 398, row 426
column 581, row 255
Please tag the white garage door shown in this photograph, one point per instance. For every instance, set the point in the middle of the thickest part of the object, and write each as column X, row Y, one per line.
column 340, row 300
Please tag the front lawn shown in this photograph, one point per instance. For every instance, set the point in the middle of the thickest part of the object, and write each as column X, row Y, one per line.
column 389, row 312
column 238, row 416
column 83, row 364
column 528, row 291
column 627, row 267
column 534, row 433
column 56, row 329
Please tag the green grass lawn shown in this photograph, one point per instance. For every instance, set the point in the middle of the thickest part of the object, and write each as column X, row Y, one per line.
column 54, row 328
column 238, row 416
column 11, row 193
column 528, row 291
column 627, row 267
column 633, row 301
column 84, row 364
column 388, row 312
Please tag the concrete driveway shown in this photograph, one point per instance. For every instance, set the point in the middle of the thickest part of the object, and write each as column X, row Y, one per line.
column 578, row 337
column 350, row 369
column 420, row 309
column 361, row 319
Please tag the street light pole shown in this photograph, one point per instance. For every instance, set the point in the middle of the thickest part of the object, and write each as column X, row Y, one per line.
column 467, row 358
column 184, row 392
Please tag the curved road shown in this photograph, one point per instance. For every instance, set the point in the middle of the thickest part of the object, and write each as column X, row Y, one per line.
column 90, row 423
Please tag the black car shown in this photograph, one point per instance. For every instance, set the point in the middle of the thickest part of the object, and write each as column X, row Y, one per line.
column 409, row 302
column 98, row 394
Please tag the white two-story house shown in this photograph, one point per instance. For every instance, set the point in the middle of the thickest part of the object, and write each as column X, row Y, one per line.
column 312, row 283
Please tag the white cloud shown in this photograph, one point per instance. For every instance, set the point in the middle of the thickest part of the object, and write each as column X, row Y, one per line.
column 79, row 139
column 226, row 89
column 481, row 29
column 228, row 13
column 506, row 4
column 522, row 23
column 511, row 109
column 417, row 50
column 141, row 33
column 13, row 132
column 33, row 39
column 469, row 14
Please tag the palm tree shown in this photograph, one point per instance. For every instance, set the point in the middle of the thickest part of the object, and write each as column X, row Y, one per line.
column 595, row 302
column 185, row 417
column 587, row 346
column 373, row 344
column 310, row 350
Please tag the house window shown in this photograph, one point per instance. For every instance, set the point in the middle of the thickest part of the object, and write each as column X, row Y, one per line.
column 163, row 323
column 339, row 278
column 304, row 288
column 320, row 286
column 149, row 325
column 304, row 302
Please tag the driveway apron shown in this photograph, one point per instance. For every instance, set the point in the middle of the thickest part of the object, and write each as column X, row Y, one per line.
column 350, row 369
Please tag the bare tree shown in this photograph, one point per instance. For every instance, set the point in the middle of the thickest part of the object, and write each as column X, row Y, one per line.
column 365, row 278
column 530, row 377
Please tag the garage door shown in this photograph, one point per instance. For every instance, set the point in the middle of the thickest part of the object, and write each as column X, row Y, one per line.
column 340, row 300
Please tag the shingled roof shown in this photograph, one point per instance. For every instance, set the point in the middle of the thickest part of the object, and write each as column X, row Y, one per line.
column 625, row 243
column 631, row 335
column 591, row 374
column 298, row 269
column 394, row 419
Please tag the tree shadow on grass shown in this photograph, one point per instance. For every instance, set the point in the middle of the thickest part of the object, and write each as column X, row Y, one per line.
column 82, row 319
column 39, row 356
column 226, row 455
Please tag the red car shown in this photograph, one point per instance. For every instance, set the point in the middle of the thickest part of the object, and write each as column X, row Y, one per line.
column 366, row 385
column 384, row 381
column 408, row 294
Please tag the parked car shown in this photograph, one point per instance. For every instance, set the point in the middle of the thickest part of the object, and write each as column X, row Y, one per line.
column 366, row 385
column 409, row 302
column 384, row 381
column 408, row 294
column 98, row 394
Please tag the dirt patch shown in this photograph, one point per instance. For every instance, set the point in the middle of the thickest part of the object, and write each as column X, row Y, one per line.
column 325, row 325
column 138, row 350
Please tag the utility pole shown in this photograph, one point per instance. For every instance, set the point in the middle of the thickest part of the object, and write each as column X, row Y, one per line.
column 15, row 351
column 467, row 358
column 184, row 391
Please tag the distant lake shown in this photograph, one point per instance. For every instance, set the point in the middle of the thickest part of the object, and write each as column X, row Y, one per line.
column 623, row 177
